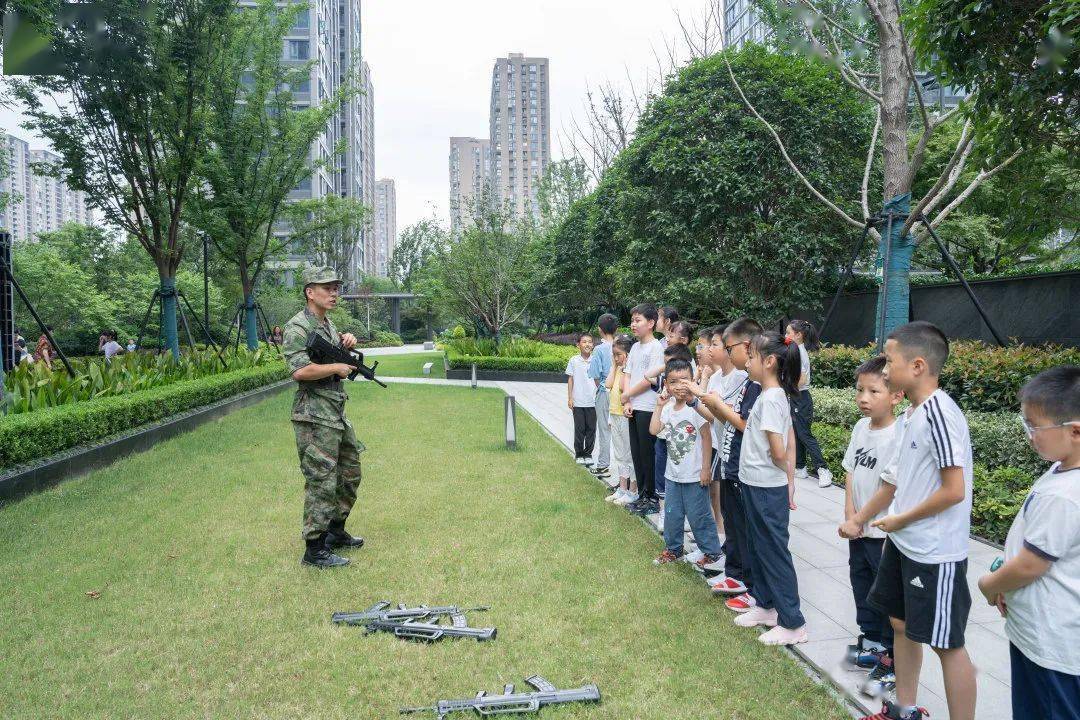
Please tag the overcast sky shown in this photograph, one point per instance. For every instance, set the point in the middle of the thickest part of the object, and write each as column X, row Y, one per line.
column 431, row 64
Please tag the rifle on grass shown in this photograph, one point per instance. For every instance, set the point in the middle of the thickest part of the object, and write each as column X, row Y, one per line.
column 511, row 702
column 324, row 352
column 429, row 632
column 379, row 611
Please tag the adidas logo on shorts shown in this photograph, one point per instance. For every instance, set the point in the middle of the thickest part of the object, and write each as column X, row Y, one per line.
column 916, row 582
column 914, row 446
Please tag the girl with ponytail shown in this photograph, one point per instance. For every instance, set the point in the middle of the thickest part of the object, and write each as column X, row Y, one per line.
column 805, row 336
column 767, row 474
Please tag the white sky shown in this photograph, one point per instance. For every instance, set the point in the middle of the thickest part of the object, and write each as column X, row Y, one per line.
column 431, row 66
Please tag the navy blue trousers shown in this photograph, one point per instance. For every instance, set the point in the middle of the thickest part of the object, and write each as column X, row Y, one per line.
column 775, row 584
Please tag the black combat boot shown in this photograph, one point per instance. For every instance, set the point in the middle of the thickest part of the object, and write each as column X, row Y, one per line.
column 337, row 537
column 319, row 555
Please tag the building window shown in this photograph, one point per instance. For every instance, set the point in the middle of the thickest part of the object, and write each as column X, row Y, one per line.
column 298, row 50
column 303, row 21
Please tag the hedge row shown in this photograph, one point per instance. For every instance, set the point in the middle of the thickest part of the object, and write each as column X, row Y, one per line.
column 39, row 434
column 515, row 364
column 998, row 491
column 978, row 376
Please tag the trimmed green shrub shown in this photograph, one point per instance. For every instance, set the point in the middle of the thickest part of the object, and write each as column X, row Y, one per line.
column 382, row 338
column 29, row 436
column 977, row 376
column 511, row 364
column 513, row 355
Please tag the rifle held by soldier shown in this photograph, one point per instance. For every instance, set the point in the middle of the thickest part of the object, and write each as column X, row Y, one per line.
column 322, row 351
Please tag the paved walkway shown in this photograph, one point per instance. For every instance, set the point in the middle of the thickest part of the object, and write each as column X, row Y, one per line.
column 821, row 563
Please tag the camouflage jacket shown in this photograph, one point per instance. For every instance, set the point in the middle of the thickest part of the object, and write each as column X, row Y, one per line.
column 314, row 404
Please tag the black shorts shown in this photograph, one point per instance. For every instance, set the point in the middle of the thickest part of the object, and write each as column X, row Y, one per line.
column 932, row 600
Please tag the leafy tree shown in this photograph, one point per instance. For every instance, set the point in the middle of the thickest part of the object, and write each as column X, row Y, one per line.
column 563, row 183
column 1020, row 57
column 328, row 228
column 131, row 135
column 492, row 271
column 714, row 220
column 259, row 143
column 418, row 246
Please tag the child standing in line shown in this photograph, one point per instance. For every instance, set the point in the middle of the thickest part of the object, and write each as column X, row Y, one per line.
column 620, row 427
column 689, row 451
column 678, row 339
column 639, row 401
column 666, row 315
column 802, row 406
column 599, row 367
column 1038, row 587
column 736, row 579
column 867, row 498
column 767, row 472
column 921, row 582
column 581, row 399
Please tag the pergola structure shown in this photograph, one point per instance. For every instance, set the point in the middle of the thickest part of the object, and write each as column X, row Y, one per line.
column 395, row 299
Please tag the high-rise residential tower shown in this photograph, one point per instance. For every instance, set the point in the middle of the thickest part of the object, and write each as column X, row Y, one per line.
column 520, row 130
column 36, row 203
column 367, row 154
column 470, row 168
column 385, row 225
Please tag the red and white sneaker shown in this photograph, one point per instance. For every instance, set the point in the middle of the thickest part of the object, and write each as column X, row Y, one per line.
column 665, row 557
column 741, row 603
column 723, row 585
column 891, row 711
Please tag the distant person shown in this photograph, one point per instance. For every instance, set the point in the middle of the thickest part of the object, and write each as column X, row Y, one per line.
column 44, row 351
column 802, row 406
column 23, row 354
column 620, row 424
column 131, row 345
column 665, row 315
column 599, row 367
column 109, row 346
column 581, row 399
column 277, row 335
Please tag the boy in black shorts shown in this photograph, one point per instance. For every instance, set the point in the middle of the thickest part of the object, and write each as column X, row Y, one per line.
column 921, row 582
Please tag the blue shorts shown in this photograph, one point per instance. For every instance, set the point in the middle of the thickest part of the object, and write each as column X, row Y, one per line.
column 1039, row 693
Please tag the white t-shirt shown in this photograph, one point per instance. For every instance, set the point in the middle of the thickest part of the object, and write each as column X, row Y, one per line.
column 804, row 367
column 868, row 452
column 1043, row 620
column 933, row 436
column 584, row 387
column 771, row 413
column 727, row 388
column 111, row 348
column 642, row 358
column 683, row 430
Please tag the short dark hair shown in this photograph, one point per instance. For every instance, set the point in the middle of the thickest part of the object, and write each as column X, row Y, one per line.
column 645, row 310
column 678, row 352
column 873, row 366
column 681, row 327
column 718, row 330
column 1056, row 392
column 580, row 335
column 624, row 343
column 743, row 327
column 669, row 312
column 678, row 364
column 923, row 339
column 608, row 324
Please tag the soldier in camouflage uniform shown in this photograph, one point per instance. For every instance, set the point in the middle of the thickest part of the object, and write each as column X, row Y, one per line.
column 328, row 449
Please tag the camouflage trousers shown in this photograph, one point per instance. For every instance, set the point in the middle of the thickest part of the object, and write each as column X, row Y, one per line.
column 330, row 462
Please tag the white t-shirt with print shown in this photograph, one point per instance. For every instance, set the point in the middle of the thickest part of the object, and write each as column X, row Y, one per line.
column 934, row 435
column 868, row 452
column 771, row 413
column 1043, row 621
column 642, row 358
column 727, row 388
column 584, row 388
column 683, row 430
column 804, row 367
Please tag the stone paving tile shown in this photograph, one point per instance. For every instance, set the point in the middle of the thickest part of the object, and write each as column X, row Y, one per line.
column 820, row 559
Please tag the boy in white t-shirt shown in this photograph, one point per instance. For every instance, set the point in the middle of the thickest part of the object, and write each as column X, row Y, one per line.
column 639, row 402
column 1037, row 589
column 866, row 499
column 921, row 582
column 689, row 440
column 581, row 399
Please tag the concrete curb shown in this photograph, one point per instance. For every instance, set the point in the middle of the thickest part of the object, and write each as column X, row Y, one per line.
column 32, row 477
column 506, row 375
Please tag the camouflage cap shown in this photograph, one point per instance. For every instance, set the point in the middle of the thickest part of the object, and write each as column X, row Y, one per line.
column 315, row 275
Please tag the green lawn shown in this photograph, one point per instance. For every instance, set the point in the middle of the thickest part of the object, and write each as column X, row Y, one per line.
column 204, row 610
column 408, row 365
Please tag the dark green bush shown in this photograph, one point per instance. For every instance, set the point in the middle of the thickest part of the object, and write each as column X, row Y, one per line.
column 381, row 338
column 512, row 364
column 38, row 434
column 979, row 377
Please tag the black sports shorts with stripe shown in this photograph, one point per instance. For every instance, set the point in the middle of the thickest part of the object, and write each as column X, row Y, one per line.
column 932, row 600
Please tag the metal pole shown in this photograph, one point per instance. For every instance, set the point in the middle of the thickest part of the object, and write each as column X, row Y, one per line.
column 205, row 330
column 511, row 423
column 29, row 306
column 951, row 261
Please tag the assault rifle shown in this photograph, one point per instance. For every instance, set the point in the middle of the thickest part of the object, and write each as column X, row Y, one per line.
column 379, row 611
column 511, row 702
column 429, row 632
column 324, row 352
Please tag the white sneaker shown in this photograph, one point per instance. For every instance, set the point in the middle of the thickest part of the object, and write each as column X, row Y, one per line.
column 715, row 566
column 757, row 616
column 615, row 496
column 580, row 460
column 781, row 635
column 801, row 474
column 824, row 480
column 693, row 557
column 626, row 499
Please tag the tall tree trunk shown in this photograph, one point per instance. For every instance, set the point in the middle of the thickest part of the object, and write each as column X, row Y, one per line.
column 251, row 326
column 171, row 339
column 895, row 249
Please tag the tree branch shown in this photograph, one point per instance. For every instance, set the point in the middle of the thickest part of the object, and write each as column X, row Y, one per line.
column 869, row 164
column 824, row 16
column 946, row 180
column 981, row 178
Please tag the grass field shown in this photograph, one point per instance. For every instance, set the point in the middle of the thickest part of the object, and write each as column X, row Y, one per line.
column 203, row 611
column 409, row 365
